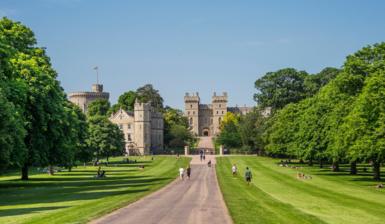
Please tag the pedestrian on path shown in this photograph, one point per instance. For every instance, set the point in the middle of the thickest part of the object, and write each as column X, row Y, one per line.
column 248, row 175
column 181, row 173
column 188, row 172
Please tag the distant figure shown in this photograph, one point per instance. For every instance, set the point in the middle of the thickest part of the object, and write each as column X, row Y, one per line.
column 248, row 175
column 234, row 170
column 204, row 157
column 181, row 172
column 188, row 172
column 209, row 163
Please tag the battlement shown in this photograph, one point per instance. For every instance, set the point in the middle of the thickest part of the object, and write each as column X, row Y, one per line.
column 97, row 88
column 193, row 98
column 89, row 94
column 219, row 98
column 142, row 106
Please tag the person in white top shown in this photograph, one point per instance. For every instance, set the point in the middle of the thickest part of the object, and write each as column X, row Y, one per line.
column 234, row 170
column 181, row 172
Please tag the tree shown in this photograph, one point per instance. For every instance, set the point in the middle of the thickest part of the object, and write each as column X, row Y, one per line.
column 98, row 107
column 365, row 128
column 176, row 132
column 126, row 101
column 229, row 135
column 42, row 104
column 277, row 89
column 147, row 93
column 12, row 149
column 105, row 138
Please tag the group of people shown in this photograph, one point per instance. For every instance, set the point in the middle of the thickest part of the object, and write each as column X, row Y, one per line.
column 182, row 171
column 248, row 174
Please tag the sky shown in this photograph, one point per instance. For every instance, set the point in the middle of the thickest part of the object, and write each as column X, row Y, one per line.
column 194, row 46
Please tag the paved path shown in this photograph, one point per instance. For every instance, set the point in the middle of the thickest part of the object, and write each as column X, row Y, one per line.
column 194, row 201
column 206, row 142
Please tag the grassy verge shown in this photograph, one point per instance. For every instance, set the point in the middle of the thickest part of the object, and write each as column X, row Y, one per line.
column 277, row 196
column 77, row 197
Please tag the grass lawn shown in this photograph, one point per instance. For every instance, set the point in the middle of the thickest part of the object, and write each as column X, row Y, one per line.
column 77, row 197
column 276, row 195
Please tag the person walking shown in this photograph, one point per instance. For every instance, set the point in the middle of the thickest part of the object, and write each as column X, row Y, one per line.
column 188, row 172
column 248, row 175
column 181, row 173
column 234, row 170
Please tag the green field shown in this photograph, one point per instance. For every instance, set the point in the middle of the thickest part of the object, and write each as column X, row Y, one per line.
column 77, row 197
column 278, row 196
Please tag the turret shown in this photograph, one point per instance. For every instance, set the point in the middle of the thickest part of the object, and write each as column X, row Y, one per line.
column 219, row 106
column 142, row 115
column 192, row 111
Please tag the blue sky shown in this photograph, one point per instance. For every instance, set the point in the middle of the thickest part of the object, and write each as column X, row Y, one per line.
column 188, row 46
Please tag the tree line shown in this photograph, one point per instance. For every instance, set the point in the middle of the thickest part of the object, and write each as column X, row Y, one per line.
column 335, row 116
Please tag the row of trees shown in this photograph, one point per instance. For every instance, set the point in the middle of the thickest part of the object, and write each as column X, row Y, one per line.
column 343, row 122
column 244, row 133
column 335, row 116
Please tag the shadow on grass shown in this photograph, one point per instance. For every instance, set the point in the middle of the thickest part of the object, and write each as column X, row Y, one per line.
column 22, row 211
column 62, row 192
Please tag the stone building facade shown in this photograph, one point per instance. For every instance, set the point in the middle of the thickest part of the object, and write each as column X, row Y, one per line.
column 205, row 119
column 143, row 128
column 83, row 99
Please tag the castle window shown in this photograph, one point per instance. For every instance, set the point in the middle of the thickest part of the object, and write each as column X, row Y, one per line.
column 220, row 106
column 190, row 105
column 120, row 126
column 188, row 113
column 217, row 112
column 129, row 137
column 223, row 112
column 194, row 112
column 191, row 121
column 128, row 126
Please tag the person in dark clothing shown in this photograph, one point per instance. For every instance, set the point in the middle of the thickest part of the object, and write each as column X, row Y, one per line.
column 188, row 172
column 248, row 175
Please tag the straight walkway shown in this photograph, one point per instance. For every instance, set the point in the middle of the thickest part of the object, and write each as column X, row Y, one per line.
column 194, row 201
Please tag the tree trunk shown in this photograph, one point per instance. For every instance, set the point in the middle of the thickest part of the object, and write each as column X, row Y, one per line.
column 310, row 162
column 353, row 168
column 335, row 167
column 301, row 161
column 376, row 171
column 69, row 168
column 24, row 172
column 50, row 170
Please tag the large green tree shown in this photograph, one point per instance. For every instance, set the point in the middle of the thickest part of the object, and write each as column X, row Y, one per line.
column 105, row 138
column 98, row 107
column 147, row 93
column 277, row 89
column 42, row 104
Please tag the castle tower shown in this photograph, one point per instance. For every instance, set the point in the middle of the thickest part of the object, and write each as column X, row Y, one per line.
column 142, row 122
column 192, row 111
column 83, row 99
column 219, row 107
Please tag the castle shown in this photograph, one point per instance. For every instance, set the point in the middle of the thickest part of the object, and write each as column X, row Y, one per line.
column 205, row 119
column 83, row 99
column 142, row 128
